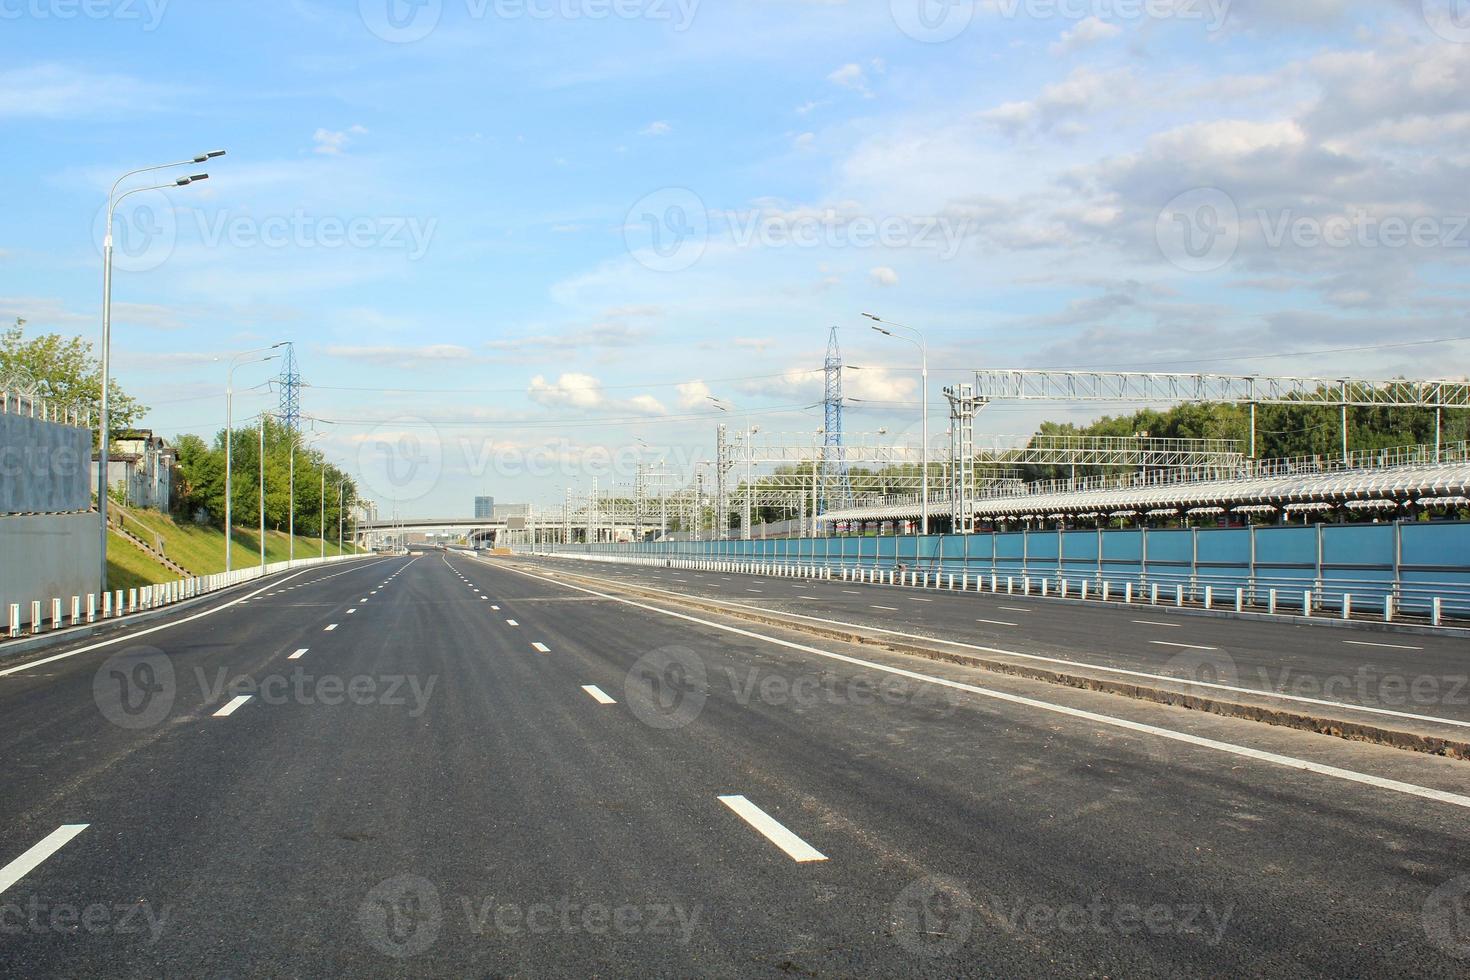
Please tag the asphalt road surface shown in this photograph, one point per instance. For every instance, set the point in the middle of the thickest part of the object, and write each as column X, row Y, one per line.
column 441, row 766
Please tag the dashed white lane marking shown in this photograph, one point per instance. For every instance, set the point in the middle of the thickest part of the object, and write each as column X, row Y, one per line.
column 888, row 608
column 772, row 830
column 351, row 611
column 298, row 654
column 1390, row 646
column 917, row 599
column 850, row 592
column 511, row 622
column 597, row 694
column 230, row 708
column 1150, row 622
column 38, row 852
column 1228, row 748
column 330, row 628
column 541, row 647
column 996, row 622
column 128, row 637
column 1183, row 646
column 752, row 590
column 1014, row 608
column 495, row 608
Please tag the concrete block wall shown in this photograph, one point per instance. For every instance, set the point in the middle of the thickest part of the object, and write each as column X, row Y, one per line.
column 47, row 556
column 43, row 466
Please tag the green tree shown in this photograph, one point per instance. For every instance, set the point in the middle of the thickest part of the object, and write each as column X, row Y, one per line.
column 63, row 370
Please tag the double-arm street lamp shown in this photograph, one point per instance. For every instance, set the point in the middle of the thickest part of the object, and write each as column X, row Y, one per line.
column 113, row 200
column 882, row 326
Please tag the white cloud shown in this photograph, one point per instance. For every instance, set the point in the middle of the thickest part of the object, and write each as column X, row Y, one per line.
column 851, row 76
column 1087, row 33
column 659, row 128
column 585, row 393
column 694, row 395
column 568, row 391
column 883, row 276
column 332, row 142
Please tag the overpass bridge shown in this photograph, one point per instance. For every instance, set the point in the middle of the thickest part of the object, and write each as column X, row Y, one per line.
column 492, row 532
column 479, row 530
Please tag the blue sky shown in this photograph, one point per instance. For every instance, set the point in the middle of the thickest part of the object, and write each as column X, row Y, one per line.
column 528, row 234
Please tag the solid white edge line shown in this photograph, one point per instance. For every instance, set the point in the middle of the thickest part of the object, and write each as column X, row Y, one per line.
column 1149, row 622
column 772, row 830
column 1390, row 646
column 1228, row 748
column 1184, row 646
column 178, row 622
column 229, row 709
column 597, row 694
column 1123, row 671
column 38, row 852
column 997, row 622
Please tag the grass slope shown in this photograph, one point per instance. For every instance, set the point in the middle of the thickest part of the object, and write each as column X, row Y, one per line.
column 199, row 549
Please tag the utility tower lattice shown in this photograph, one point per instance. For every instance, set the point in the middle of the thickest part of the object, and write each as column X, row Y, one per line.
column 290, row 409
column 835, row 482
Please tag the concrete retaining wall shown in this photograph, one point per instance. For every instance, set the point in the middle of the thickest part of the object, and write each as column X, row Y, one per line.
column 46, row 556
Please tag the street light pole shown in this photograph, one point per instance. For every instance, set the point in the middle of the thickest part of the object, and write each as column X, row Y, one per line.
column 235, row 362
column 918, row 341
column 262, row 491
column 103, row 421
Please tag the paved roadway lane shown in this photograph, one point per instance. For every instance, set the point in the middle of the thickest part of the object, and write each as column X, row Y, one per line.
column 1409, row 672
column 603, row 788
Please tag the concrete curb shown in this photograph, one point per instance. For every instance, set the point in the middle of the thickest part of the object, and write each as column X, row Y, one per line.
column 1320, row 724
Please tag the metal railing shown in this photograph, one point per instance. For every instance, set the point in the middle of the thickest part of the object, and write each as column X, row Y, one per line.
column 33, row 406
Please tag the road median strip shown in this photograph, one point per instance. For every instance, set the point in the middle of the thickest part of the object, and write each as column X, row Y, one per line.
column 1320, row 723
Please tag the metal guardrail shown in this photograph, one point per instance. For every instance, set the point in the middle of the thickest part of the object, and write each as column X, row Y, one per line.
column 1429, row 602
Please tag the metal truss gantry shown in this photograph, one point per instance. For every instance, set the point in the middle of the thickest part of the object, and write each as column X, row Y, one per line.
column 1095, row 386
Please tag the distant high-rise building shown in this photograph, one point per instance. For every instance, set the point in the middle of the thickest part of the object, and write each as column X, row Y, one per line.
column 484, row 508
